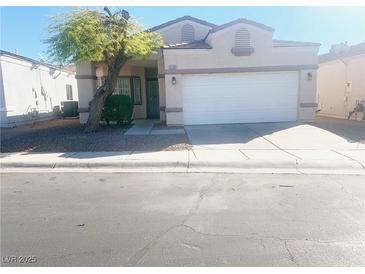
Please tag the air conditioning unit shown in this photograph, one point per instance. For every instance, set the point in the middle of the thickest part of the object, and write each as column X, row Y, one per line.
column 69, row 108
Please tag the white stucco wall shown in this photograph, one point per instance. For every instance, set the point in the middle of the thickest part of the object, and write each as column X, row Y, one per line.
column 334, row 98
column 19, row 79
column 86, row 84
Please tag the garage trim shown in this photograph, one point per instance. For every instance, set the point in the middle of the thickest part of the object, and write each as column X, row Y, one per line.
column 173, row 109
column 240, row 69
column 308, row 105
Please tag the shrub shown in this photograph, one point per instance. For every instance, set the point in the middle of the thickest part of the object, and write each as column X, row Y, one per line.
column 118, row 108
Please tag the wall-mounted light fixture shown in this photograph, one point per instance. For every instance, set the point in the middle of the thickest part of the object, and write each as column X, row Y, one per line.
column 173, row 80
column 309, row 76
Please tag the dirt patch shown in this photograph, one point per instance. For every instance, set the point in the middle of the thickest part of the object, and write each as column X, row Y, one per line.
column 63, row 135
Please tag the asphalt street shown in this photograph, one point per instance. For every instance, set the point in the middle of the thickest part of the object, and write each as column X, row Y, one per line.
column 182, row 219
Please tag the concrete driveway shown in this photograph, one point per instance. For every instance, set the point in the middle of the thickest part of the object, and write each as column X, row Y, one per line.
column 321, row 143
column 275, row 136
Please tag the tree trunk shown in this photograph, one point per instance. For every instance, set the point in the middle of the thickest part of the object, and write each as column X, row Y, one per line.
column 97, row 103
column 96, row 108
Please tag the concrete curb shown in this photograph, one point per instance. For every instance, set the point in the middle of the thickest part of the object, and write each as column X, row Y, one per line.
column 172, row 162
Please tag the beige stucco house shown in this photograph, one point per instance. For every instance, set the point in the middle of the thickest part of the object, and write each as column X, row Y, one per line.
column 209, row 74
column 341, row 80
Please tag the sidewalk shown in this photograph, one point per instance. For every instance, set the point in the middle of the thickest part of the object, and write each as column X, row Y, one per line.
column 196, row 160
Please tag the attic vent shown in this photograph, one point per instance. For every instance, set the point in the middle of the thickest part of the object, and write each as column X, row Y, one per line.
column 242, row 39
column 187, row 33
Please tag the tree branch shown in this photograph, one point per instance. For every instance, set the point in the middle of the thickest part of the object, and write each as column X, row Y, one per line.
column 107, row 10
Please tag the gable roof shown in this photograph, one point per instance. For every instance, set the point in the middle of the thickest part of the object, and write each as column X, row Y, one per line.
column 238, row 21
column 351, row 51
column 180, row 19
column 193, row 45
column 287, row 43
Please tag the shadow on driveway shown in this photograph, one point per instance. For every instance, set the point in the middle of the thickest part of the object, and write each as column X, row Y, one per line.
column 352, row 131
column 285, row 135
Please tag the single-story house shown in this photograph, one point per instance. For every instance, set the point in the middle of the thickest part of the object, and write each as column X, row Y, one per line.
column 210, row 74
column 31, row 90
column 341, row 80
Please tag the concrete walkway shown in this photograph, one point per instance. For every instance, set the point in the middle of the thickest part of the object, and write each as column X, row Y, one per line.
column 141, row 127
column 196, row 160
column 145, row 127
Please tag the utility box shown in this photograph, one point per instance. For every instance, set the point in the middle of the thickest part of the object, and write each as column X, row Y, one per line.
column 69, row 108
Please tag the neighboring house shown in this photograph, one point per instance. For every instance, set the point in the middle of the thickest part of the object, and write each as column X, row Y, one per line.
column 209, row 74
column 31, row 90
column 341, row 80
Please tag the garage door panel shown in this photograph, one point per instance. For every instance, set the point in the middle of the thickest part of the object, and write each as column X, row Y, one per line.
column 238, row 109
column 235, row 117
column 240, row 98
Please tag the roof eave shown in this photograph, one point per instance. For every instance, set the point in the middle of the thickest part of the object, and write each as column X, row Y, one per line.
column 240, row 21
column 297, row 46
column 180, row 19
column 186, row 48
column 30, row 60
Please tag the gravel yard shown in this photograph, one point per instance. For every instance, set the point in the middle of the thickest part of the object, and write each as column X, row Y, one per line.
column 68, row 136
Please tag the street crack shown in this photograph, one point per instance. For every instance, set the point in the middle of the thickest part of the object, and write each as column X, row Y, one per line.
column 137, row 257
column 291, row 257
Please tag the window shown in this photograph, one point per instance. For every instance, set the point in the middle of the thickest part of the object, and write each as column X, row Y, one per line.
column 130, row 86
column 69, row 92
column 136, row 85
column 187, row 33
column 123, row 87
column 242, row 39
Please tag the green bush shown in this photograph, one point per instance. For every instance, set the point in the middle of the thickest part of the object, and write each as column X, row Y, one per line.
column 118, row 108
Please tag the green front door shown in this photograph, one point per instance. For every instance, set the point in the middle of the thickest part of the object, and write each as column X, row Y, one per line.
column 153, row 102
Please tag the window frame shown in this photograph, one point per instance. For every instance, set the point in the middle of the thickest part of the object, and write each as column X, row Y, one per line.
column 132, row 90
column 132, row 78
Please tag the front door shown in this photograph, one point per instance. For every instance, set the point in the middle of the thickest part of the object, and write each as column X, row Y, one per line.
column 153, row 104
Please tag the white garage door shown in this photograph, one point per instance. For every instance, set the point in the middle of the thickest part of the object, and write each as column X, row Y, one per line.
column 240, row 98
